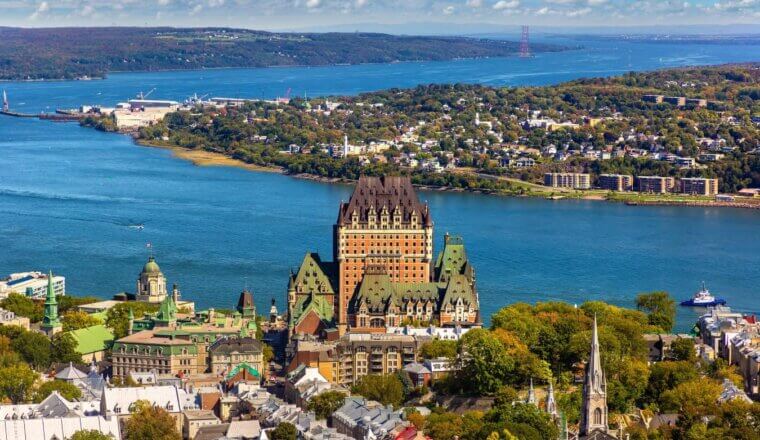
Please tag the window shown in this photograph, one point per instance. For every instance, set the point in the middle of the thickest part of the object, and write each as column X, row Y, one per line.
column 598, row 416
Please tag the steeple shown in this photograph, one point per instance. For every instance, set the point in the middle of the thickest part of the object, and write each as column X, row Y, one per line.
column 245, row 304
column 594, row 411
column 50, row 322
column 551, row 404
column 531, row 394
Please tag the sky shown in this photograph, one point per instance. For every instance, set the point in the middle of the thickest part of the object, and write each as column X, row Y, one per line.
column 323, row 14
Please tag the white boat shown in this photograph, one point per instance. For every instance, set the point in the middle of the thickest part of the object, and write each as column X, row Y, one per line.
column 703, row 298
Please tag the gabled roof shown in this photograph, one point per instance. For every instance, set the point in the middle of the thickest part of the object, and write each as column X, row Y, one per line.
column 240, row 367
column 316, row 304
column 117, row 401
column 71, row 373
column 315, row 276
column 92, row 339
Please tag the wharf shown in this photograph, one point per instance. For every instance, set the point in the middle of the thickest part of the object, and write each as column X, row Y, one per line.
column 44, row 116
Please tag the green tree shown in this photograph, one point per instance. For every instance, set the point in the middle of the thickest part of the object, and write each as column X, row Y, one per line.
column 22, row 305
column 76, row 319
column 439, row 348
column 284, row 431
column 660, row 309
column 63, row 348
column 326, row 403
column 91, row 434
column 68, row 390
column 386, row 389
column 664, row 376
column 150, row 423
column 34, row 348
column 682, row 349
column 17, row 382
column 485, row 365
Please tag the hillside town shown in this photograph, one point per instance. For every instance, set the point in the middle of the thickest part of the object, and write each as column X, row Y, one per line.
column 698, row 138
column 384, row 341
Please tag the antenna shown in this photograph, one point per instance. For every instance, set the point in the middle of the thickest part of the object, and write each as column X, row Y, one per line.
column 525, row 43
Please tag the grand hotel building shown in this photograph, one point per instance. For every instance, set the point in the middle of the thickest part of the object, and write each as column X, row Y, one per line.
column 383, row 273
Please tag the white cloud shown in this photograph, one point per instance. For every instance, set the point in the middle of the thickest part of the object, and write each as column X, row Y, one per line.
column 474, row 3
column 164, row 2
column 196, row 9
column 311, row 4
column 360, row 3
column 87, row 10
column 578, row 12
column 215, row 3
column 448, row 10
column 41, row 9
column 506, row 4
column 543, row 11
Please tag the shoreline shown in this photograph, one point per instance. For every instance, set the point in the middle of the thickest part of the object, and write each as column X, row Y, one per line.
column 204, row 158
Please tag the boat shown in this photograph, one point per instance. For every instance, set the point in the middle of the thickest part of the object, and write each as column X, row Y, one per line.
column 703, row 298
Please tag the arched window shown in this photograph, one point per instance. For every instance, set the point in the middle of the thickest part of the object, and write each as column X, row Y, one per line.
column 598, row 416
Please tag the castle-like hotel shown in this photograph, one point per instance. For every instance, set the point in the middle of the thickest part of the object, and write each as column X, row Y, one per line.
column 383, row 273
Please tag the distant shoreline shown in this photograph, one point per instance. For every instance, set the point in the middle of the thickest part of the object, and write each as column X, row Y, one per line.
column 204, row 158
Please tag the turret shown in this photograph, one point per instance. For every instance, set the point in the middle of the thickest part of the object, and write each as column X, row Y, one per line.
column 531, row 394
column 551, row 404
column 594, row 411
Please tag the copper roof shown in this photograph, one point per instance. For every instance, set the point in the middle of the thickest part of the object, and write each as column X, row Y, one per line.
column 389, row 192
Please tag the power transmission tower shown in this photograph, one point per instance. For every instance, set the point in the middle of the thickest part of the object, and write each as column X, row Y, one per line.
column 525, row 43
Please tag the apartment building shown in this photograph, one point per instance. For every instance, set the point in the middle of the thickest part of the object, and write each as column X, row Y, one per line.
column 568, row 180
column 655, row 184
column 616, row 182
column 698, row 186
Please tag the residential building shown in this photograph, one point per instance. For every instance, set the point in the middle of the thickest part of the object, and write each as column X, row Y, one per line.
column 657, row 99
column 419, row 374
column 383, row 271
column 678, row 101
column 616, row 182
column 655, row 184
column 54, row 418
column 433, row 332
column 227, row 353
column 304, row 383
column 31, row 284
column 9, row 318
column 440, row 368
column 568, row 180
column 195, row 419
column 360, row 354
column 659, row 345
column 698, row 186
column 119, row 402
column 360, row 418
column 91, row 383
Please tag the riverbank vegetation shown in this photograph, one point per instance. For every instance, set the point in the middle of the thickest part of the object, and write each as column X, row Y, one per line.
column 475, row 137
column 550, row 342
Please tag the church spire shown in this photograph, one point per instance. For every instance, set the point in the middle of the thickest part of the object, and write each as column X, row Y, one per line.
column 531, row 394
column 594, row 411
column 551, row 404
column 50, row 322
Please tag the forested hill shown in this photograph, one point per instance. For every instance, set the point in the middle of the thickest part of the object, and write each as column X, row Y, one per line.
column 58, row 53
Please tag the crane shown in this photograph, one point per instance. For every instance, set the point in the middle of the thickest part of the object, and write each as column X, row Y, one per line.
column 142, row 95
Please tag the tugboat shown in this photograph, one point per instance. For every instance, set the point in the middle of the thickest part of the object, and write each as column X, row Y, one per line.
column 703, row 298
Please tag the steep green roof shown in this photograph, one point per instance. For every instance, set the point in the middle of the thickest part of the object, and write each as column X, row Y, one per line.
column 315, row 276
column 452, row 259
column 92, row 339
column 239, row 368
column 316, row 303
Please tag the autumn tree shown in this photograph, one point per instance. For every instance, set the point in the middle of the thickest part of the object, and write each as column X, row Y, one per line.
column 17, row 382
column 386, row 389
column 149, row 422
column 76, row 319
column 659, row 307
column 90, row 434
column 284, row 431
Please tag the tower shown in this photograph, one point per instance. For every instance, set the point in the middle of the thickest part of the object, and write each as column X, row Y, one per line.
column 531, row 394
column 382, row 225
column 245, row 305
column 551, row 404
column 151, row 285
column 524, row 43
column 273, row 312
column 594, row 410
column 345, row 145
column 50, row 322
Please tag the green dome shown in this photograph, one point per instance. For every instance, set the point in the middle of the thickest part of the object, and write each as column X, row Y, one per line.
column 151, row 266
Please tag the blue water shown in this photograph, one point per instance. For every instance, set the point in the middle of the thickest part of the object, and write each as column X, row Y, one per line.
column 69, row 197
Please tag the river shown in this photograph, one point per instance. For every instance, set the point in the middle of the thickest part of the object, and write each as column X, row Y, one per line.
column 70, row 198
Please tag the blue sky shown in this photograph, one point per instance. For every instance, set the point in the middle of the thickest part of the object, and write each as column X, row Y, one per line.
column 321, row 14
